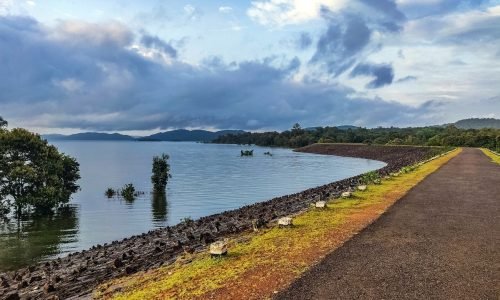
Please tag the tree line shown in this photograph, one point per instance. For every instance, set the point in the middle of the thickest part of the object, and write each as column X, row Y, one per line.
column 418, row 136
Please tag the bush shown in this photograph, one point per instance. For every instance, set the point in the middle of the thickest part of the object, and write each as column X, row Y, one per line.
column 370, row 177
column 110, row 193
column 161, row 173
column 128, row 192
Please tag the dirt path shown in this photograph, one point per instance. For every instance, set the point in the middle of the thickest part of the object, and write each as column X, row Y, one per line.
column 440, row 241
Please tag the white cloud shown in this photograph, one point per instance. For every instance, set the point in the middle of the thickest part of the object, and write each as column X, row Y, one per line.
column 225, row 9
column 284, row 12
column 192, row 12
column 6, row 6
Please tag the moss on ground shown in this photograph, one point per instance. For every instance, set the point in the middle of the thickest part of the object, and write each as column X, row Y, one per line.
column 260, row 263
column 494, row 156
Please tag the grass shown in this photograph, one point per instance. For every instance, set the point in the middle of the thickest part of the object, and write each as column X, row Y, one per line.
column 493, row 155
column 258, row 264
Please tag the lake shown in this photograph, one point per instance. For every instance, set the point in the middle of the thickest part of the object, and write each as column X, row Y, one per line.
column 206, row 179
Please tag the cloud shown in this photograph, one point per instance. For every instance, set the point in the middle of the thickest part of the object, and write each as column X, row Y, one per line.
column 225, row 9
column 192, row 13
column 304, row 41
column 424, row 8
column 383, row 73
column 338, row 47
column 103, row 83
column 285, row 12
column 475, row 26
column 155, row 42
column 407, row 79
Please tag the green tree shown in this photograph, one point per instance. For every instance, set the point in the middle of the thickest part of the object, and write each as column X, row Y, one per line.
column 161, row 173
column 3, row 123
column 33, row 174
column 297, row 130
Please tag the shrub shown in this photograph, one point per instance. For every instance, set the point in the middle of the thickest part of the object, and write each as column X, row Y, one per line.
column 110, row 193
column 161, row 173
column 128, row 192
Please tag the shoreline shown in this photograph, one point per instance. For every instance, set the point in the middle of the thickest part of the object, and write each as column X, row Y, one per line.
column 79, row 273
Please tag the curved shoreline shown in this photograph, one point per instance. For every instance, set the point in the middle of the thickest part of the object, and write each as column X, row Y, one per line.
column 78, row 273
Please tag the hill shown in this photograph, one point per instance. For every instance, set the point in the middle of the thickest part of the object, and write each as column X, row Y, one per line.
column 189, row 135
column 89, row 136
column 478, row 123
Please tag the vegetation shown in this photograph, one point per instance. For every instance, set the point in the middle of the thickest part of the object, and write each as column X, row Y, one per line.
column 128, row 192
column 33, row 174
column 110, row 193
column 3, row 123
column 161, row 173
column 422, row 136
column 254, row 259
column 370, row 177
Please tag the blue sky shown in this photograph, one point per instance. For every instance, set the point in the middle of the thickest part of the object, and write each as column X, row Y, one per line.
column 143, row 66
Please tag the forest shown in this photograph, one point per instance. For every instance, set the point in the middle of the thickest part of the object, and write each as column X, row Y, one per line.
column 419, row 136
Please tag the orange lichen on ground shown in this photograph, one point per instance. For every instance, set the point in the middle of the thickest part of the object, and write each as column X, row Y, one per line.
column 259, row 264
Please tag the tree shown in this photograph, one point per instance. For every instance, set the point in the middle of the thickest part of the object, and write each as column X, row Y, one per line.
column 33, row 174
column 161, row 173
column 3, row 123
column 297, row 130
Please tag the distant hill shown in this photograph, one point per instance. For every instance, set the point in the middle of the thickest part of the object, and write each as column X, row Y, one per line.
column 478, row 123
column 89, row 136
column 188, row 135
column 345, row 127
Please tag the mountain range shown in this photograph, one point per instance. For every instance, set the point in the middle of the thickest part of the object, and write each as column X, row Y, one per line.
column 207, row 136
column 174, row 135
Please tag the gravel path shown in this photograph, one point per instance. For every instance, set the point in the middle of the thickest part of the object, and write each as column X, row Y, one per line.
column 440, row 241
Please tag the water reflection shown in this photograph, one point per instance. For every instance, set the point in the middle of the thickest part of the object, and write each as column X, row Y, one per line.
column 159, row 207
column 36, row 237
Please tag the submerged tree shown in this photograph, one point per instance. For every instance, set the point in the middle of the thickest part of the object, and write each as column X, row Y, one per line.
column 161, row 173
column 128, row 192
column 33, row 174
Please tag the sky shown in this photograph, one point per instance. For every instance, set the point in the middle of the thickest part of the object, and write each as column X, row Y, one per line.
column 139, row 67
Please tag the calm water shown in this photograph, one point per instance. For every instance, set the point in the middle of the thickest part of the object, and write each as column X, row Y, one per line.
column 206, row 179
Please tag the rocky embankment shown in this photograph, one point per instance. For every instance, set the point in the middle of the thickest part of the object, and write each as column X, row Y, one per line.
column 79, row 273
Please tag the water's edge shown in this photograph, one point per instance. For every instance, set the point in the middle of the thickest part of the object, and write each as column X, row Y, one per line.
column 80, row 272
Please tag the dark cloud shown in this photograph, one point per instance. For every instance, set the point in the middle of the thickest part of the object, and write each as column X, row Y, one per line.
column 80, row 79
column 350, row 31
column 383, row 73
column 406, row 79
column 338, row 47
column 150, row 41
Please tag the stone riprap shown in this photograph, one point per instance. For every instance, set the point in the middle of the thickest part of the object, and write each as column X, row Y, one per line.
column 79, row 273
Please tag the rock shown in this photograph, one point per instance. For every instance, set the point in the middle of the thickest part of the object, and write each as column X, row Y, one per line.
column 12, row 296
column 130, row 270
column 35, row 278
column 117, row 263
column 285, row 222
column 22, row 285
column 362, row 188
column 218, row 248
column 320, row 204
column 346, row 195
column 49, row 288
